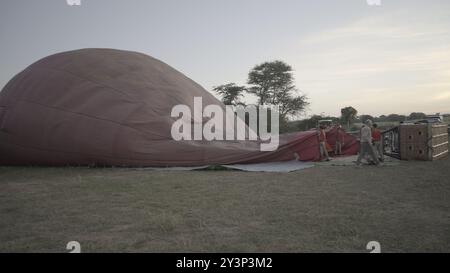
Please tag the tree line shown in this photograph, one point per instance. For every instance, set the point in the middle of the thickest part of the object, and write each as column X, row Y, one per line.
column 273, row 83
column 349, row 117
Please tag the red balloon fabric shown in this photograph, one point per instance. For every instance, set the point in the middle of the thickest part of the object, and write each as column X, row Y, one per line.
column 113, row 108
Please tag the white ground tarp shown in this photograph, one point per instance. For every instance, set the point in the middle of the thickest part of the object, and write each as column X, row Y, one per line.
column 275, row 167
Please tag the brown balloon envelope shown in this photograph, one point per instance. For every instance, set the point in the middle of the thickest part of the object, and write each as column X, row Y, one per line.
column 113, row 108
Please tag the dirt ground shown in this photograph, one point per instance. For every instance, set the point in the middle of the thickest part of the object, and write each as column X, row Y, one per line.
column 322, row 209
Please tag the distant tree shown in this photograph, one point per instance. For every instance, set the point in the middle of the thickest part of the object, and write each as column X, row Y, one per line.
column 395, row 118
column 348, row 115
column 417, row 115
column 381, row 118
column 231, row 93
column 273, row 83
column 311, row 122
column 364, row 118
column 446, row 118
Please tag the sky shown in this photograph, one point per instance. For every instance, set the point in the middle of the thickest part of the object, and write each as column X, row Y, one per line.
column 391, row 58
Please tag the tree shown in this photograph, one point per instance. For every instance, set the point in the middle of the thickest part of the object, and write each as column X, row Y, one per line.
column 363, row 118
column 231, row 93
column 312, row 122
column 348, row 115
column 417, row 115
column 273, row 83
column 395, row 118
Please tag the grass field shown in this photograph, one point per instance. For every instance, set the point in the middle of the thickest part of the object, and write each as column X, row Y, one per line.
column 333, row 209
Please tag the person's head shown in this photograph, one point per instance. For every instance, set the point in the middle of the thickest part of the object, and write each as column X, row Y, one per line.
column 369, row 123
column 375, row 125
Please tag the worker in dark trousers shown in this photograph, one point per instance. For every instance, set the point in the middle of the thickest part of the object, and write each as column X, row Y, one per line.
column 323, row 143
column 366, row 147
column 340, row 138
column 377, row 142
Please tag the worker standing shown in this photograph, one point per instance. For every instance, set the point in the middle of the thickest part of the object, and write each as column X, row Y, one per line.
column 340, row 138
column 366, row 147
column 323, row 143
column 377, row 142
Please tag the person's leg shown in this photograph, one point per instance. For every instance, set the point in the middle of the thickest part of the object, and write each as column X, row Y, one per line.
column 380, row 150
column 371, row 152
column 362, row 152
column 338, row 148
column 375, row 149
column 326, row 151
column 321, row 150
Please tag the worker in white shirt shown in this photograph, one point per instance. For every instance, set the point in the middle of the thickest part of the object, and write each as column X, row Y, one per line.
column 366, row 147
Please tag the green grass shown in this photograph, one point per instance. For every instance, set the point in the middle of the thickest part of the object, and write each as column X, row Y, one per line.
column 333, row 209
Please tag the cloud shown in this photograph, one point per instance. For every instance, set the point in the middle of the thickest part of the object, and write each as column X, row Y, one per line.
column 442, row 96
column 382, row 64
